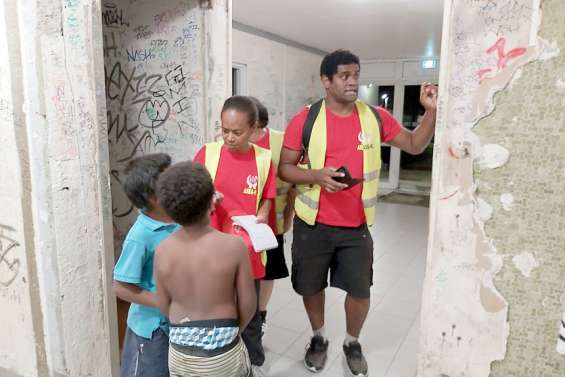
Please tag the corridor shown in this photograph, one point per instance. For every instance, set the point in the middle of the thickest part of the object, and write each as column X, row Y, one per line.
column 390, row 335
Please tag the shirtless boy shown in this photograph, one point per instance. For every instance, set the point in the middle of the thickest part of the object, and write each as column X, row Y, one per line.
column 204, row 282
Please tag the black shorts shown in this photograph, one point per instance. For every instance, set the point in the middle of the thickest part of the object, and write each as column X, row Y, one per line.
column 347, row 253
column 276, row 263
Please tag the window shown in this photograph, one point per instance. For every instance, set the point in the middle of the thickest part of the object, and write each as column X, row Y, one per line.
column 239, row 79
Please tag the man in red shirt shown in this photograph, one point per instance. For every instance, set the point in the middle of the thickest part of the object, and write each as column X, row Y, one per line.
column 330, row 227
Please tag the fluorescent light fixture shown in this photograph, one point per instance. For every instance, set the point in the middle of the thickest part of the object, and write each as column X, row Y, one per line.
column 428, row 64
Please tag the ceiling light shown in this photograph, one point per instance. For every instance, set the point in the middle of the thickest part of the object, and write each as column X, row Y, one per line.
column 428, row 64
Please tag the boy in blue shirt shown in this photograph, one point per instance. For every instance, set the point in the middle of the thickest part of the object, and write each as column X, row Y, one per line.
column 146, row 344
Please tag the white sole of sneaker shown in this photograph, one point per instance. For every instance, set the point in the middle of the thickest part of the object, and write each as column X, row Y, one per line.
column 312, row 369
column 349, row 372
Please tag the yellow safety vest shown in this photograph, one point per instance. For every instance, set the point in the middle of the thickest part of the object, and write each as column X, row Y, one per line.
column 276, row 141
column 308, row 196
column 262, row 159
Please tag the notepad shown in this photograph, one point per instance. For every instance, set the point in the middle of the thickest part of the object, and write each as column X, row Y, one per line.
column 261, row 235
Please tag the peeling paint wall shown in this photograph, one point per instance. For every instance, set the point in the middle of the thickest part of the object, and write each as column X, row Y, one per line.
column 494, row 287
column 283, row 77
column 528, row 198
column 167, row 76
column 57, row 313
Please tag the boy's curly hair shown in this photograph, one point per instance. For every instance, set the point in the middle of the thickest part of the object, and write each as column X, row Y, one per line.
column 185, row 191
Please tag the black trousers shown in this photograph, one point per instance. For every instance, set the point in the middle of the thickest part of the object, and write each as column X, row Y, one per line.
column 252, row 336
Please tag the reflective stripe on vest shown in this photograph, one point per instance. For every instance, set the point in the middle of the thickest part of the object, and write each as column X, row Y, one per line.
column 308, row 196
column 262, row 159
column 275, row 144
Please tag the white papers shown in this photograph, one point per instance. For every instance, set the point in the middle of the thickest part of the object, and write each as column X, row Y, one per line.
column 261, row 235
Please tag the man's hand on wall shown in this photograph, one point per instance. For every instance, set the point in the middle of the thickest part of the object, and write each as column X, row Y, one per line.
column 428, row 96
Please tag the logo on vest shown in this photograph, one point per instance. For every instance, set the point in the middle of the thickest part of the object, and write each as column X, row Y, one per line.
column 251, row 185
column 365, row 140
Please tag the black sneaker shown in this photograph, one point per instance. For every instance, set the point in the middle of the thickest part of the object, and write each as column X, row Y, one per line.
column 316, row 354
column 355, row 360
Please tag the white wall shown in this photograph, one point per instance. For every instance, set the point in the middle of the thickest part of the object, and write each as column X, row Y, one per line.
column 399, row 71
column 167, row 77
column 285, row 78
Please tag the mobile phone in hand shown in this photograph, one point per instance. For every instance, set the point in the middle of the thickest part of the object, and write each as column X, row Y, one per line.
column 347, row 178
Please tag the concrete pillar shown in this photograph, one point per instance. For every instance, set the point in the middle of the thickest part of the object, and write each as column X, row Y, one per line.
column 58, row 315
column 56, row 247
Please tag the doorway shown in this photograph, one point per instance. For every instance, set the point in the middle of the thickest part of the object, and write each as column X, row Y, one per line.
column 400, row 172
column 164, row 88
column 239, row 79
column 174, row 109
column 415, row 171
column 377, row 94
column 280, row 53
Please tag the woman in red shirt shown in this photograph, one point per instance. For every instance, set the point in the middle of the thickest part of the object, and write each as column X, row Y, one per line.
column 247, row 183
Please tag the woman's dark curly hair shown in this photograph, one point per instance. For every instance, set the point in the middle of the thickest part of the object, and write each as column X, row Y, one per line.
column 262, row 112
column 185, row 191
column 242, row 104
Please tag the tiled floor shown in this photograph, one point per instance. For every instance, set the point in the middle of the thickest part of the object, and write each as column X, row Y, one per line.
column 390, row 334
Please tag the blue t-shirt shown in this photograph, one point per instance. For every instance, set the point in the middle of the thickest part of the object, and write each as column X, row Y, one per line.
column 135, row 266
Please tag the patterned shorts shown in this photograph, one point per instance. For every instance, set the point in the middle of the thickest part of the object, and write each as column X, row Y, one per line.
column 232, row 363
column 206, row 335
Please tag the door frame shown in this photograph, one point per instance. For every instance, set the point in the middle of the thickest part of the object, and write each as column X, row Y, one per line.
column 393, row 181
column 239, row 82
column 391, row 184
column 408, row 189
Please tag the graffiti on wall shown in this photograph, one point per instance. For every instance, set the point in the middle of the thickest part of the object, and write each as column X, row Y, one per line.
column 502, row 58
column 5, row 113
column 9, row 261
column 154, row 88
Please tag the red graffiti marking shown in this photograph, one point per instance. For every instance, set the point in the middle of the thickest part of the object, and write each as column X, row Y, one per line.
column 483, row 72
column 503, row 57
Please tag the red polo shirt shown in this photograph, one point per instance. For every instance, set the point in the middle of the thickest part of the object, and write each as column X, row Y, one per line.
column 343, row 208
column 236, row 179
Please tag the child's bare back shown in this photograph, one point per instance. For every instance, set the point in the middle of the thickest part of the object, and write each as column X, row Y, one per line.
column 206, row 273
column 204, row 281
